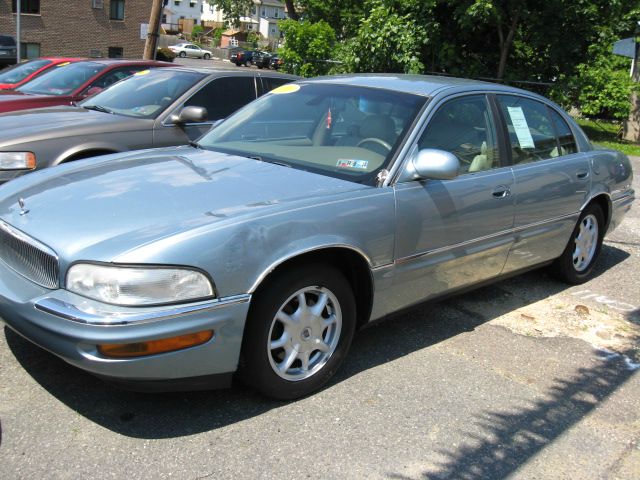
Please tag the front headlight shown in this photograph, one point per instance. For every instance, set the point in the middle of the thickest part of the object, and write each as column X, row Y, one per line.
column 138, row 286
column 17, row 161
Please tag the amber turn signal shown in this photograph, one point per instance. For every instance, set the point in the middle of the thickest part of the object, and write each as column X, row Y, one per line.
column 140, row 349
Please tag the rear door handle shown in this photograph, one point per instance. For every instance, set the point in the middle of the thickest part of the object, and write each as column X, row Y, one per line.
column 501, row 191
column 582, row 174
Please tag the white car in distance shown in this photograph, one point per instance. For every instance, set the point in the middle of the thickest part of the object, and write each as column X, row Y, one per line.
column 190, row 50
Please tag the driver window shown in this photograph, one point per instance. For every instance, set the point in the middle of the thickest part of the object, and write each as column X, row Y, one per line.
column 464, row 126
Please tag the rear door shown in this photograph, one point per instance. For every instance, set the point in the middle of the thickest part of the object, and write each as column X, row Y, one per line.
column 552, row 179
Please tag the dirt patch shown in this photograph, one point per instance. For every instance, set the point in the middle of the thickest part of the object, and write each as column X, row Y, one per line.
column 556, row 317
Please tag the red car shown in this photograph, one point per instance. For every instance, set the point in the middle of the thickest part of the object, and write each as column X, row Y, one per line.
column 21, row 73
column 71, row 83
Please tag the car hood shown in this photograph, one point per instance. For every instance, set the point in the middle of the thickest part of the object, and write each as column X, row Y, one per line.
column 100, row 208
column 62, row 121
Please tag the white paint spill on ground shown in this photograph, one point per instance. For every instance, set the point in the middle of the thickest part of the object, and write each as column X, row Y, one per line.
column 609, row 355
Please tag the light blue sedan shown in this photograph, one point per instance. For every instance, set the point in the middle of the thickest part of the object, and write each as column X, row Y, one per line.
column 314, row 210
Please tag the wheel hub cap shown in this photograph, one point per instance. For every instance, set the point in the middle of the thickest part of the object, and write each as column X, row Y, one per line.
column 585, row 244
column 304, row 333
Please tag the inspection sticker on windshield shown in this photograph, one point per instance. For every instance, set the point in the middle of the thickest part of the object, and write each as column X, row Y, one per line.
column 63, row 64
column 359, row 164
column 142, row 72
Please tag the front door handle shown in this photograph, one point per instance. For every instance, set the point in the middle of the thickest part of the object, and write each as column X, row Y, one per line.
column 501, row 191
column 582, row 174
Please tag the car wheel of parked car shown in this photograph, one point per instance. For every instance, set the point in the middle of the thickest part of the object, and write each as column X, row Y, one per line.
column 576, row 262
column 207, row 56
column 248, row 63
column 298, row 331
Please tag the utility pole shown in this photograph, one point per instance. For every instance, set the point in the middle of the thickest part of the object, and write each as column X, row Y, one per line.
column 18, row 10
column 631, row 128
column 154, row 29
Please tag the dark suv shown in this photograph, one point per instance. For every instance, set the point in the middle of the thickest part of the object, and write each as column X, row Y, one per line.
column 8, row 51
column 243, row 58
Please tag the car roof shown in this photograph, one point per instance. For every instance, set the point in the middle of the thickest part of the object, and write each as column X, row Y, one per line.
column 424, row 85
column 123, row 62
column 235, row 71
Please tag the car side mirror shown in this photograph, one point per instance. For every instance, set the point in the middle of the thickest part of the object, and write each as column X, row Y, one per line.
column 433, row 164
column 190, row 114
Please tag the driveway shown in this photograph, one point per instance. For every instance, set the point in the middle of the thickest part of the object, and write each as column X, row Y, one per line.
column 525, row 378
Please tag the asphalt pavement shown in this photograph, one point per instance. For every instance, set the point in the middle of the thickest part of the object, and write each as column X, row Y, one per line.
column 526, row 378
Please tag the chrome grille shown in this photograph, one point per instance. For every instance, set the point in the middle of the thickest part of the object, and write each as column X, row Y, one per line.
column 28, row 257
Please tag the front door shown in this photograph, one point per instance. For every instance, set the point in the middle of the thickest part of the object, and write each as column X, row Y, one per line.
column 453, row 233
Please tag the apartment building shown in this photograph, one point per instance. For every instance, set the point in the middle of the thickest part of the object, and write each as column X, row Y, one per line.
column 84, row 28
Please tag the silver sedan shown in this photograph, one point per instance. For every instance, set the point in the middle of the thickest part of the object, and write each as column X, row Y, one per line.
column 322, row 206
column 190, row 50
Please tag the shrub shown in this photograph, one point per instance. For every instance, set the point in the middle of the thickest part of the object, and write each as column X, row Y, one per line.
column 165, row 55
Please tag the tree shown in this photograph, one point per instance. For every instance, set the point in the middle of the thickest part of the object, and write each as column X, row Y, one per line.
column 307, row 47
column 342, row 15
column 388, row 40
column 233, row 9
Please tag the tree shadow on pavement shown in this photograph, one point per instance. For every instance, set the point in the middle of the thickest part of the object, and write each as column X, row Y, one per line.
column 178, row 414
column 509, row 439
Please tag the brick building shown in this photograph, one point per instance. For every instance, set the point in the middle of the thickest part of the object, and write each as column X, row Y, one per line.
column 83, row 28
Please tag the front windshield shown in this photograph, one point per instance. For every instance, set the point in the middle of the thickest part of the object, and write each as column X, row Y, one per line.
column 21, row 71
column 62, row 80
column 338, row 130
column 145, row 94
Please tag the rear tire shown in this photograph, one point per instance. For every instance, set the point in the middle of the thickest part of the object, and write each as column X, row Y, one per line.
column 576, row 263
column 291, row 349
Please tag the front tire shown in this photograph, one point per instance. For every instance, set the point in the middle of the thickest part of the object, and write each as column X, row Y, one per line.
column 298, row 331
column 576, row 263
column 206, row 56
column 182, row 54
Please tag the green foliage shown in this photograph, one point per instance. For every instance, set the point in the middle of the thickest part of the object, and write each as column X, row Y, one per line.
column 196, row 31
column 606, row 134
column 307, row 47
column 387, row 41
column 342, row 15
column 600, row 88
column 252, row 38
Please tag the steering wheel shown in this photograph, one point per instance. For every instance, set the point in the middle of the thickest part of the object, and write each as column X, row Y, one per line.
column 375, row 140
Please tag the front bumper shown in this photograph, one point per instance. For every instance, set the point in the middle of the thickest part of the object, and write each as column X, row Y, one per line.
column 65, row 324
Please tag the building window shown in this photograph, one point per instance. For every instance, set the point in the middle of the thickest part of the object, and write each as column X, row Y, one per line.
column 164, row 18
column 275, row 13
column 117, row 10
column 116, row 52
column 27, row 6
column 177, row 3
column 192, row 3
column 29, row 50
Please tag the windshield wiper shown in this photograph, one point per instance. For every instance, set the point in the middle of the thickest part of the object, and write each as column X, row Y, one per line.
column 98, row 108
column 194, row 144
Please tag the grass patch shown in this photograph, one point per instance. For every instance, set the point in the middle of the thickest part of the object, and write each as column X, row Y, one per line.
column 607, row 134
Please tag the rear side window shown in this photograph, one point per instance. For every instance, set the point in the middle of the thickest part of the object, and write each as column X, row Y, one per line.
column 223, row 96
column 269, row 83
column 531, row 133
column 566, row 140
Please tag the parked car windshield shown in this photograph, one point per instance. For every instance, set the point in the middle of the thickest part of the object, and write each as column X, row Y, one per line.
column 21, row 71
column 342, row 131
column 62, row 80
column 145, row 94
